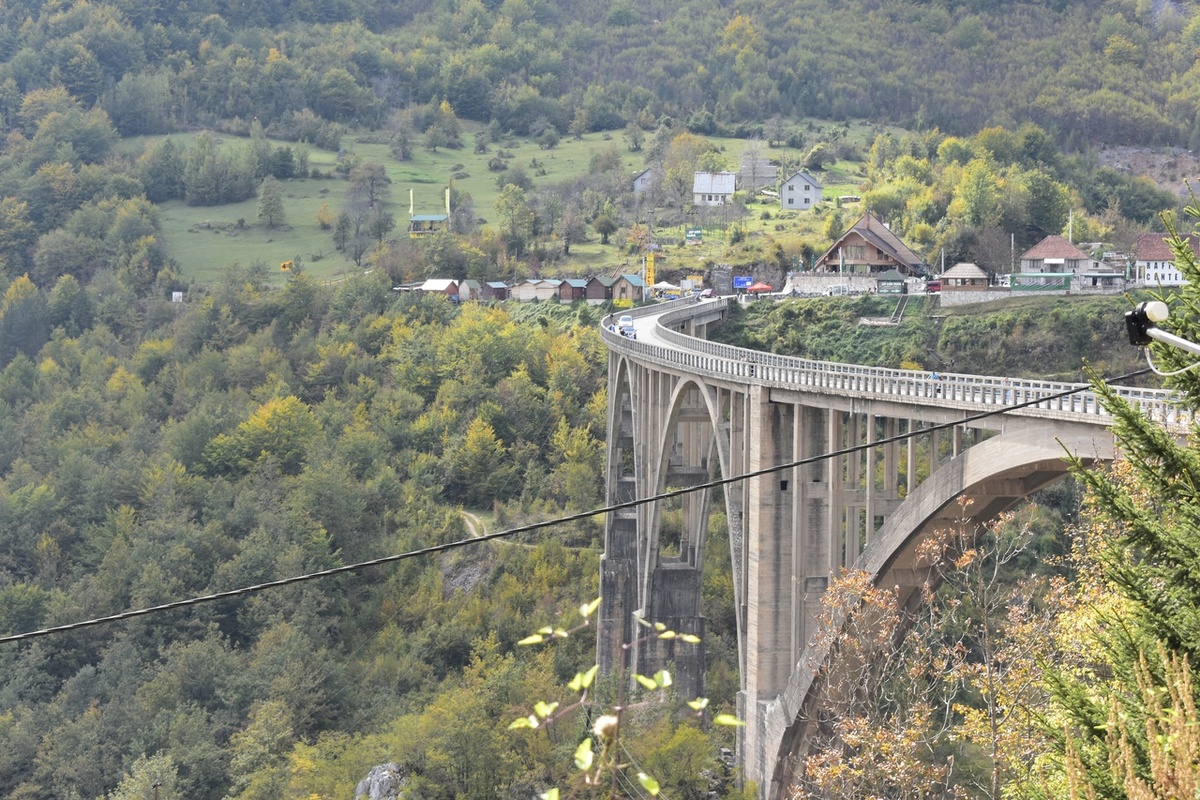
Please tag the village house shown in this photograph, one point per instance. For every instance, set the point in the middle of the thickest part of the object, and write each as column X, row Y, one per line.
column 756, row 173
column 648, row 180
column 426, row 224
column 800, row 192
column 713, row 188
column 869, row 247
column 1055, row 254
column 1154, row 261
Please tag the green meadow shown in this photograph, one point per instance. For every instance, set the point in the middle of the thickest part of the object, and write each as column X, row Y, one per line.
column 205, row 240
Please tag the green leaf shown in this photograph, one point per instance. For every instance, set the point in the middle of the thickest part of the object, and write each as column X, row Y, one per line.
column 546, row 631
column 641, row 621
column 699, row 704
column 583, row 680
column 536, row 638
column 662, row 678
column 544, row 710
column 690, row 638
column 590, row 675
column 560, row 633
column 644, row 681
column 727, row 719
column 667, row 635
column 584, row 755
column 648, row 783
column 523, row 722
column 587, row 609
column 658, row 626
column 550, row 795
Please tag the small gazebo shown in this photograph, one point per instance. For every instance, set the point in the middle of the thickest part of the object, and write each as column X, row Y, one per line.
column 965, row 277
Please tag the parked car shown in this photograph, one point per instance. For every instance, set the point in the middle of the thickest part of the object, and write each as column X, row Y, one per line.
column 625, row 326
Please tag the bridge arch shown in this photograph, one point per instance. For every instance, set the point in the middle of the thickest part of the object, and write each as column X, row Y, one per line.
column 975, row 488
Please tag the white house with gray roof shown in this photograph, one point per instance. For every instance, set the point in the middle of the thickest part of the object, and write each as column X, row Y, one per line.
column 713, row 188
column 800, row 192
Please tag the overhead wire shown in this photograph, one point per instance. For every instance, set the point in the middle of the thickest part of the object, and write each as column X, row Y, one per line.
column 534, row 526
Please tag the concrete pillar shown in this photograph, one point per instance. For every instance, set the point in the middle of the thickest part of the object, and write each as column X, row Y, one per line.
column 872, row 493
column 769, row 560
column 911, row 479
column 815, row 559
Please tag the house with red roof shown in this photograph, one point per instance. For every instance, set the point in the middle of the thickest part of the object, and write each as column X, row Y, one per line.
column 1154, row 261
column 1055, row 254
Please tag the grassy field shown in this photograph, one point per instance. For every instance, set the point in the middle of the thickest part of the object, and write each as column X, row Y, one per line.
column 206, row 240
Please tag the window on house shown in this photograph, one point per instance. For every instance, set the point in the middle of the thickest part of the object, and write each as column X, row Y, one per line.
column 856, row 251
column 791, row 201
column 807, row 187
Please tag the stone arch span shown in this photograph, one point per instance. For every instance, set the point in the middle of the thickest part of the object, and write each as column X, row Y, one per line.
column 994, row 476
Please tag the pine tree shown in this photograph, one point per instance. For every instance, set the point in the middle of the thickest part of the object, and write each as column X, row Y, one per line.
column 1108, row 716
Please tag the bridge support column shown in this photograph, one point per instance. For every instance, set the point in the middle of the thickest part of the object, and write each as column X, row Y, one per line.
column 770, row 559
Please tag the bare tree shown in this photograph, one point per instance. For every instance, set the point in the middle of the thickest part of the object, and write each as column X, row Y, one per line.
column 992, row 249
column 752, row 159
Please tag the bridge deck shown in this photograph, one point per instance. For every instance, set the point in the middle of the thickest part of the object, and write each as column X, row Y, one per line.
column 660, row 342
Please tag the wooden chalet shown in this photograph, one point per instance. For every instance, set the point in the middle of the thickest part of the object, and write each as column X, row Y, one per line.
column 629, row 288
column 572, row 289
column 531, row 289
column 869, row 247
column 493, row 290
column 599, row 290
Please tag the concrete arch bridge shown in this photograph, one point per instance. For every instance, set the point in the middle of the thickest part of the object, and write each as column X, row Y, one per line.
column 684, row 412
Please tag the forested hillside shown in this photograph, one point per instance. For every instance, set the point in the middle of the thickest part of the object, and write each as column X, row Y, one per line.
column 1118, row 71
column 1051, row 338
column 257, row 436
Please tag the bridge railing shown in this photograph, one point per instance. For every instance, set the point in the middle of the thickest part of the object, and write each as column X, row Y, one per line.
column 714, row 359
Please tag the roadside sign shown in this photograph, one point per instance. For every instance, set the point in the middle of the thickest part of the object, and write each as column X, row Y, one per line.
column 742, row 281
column 694, row 235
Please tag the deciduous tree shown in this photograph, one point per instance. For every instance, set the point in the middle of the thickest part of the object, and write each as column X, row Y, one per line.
column 270, row 202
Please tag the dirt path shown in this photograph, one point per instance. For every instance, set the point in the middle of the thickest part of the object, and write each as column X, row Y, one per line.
column 475, row 525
